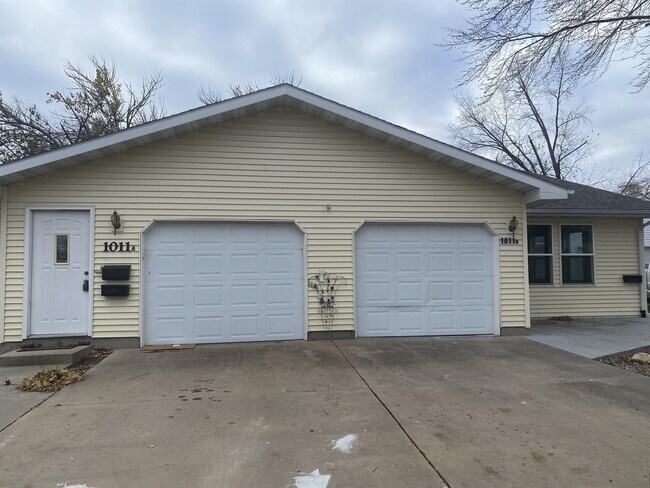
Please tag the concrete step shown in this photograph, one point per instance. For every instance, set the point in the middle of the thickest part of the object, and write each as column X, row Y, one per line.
column 60, row 357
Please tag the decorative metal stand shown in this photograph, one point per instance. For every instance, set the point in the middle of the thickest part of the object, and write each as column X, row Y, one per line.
column 326, row 285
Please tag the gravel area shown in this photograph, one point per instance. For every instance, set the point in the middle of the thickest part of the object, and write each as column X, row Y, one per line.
column 626, row 363
column 95, row 357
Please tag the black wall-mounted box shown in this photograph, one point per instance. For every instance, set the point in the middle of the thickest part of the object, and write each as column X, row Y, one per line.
column 116, row 272
column 632, row 279
column 115, row 290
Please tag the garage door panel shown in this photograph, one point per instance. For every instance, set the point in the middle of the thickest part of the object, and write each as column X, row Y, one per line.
column 243, row 295
column 280, row 294
column 374, row 293
column 283, row 265
column 474, row 291
column 474, row 320
column 170, row 298
column 208, row 328
column 473, row 235
column 217, row 290
column 408, row 262
column 208, row 297
column 441, row 322
column 410, row 293
column 244, row 326
column 472, row 262
column 245, row 264
column 409, row 322
column 440, row 292
column 170, row 329
column 170, row 266
column 377, row 321
column 276, row 237
column 281, row 325
column 417, row 279
column 375, row 262
column 440, row 235
column 441, row 262
column 209, row 265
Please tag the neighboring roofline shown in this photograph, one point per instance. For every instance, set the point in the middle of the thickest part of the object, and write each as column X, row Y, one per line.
column 289, row 95
column 557, row 212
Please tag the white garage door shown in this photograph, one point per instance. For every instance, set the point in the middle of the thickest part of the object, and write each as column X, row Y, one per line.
column 223, row 282
column 424, row 279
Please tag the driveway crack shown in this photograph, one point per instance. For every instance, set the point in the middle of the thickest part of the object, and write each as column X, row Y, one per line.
column 422, row 453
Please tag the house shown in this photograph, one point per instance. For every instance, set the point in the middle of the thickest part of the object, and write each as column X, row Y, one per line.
column 206, row 226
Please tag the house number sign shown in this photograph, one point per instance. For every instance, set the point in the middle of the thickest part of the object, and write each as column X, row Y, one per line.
column 121, row 246
column 509, row 241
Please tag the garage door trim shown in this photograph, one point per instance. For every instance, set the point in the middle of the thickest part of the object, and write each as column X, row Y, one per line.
column 495, row 261
column 151, row 223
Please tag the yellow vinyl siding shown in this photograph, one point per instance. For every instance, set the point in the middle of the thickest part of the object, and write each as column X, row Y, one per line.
column 280, row 164
column 616, row 252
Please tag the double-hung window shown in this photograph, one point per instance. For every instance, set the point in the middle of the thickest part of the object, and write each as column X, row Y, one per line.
column 540, row 254
column 577, row 254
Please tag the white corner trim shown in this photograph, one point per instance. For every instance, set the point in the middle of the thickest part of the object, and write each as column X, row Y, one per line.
column 643, row 285
column 3, row 259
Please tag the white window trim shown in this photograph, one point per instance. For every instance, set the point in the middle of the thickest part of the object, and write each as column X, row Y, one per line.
column 552, row 256
column 592, row 255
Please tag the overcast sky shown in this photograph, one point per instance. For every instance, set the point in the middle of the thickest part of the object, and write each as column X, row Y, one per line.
column 378, row 57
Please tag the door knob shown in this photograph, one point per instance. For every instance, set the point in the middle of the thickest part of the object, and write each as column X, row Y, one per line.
column 86, row 285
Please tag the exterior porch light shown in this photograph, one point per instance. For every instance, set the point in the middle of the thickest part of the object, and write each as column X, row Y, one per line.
column 116, row 222
column 514, row 223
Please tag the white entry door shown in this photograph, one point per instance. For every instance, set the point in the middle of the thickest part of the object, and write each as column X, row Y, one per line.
column 424, row 279
column 223, row 282
column 60, row 263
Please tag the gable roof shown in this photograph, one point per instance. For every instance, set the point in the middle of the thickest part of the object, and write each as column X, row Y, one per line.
column 280, row 95
column 587, row 200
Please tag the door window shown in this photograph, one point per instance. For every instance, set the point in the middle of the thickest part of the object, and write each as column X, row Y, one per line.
column 62, row 250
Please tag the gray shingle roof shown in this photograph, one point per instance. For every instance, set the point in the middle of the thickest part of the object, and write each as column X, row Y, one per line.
column 587, row 200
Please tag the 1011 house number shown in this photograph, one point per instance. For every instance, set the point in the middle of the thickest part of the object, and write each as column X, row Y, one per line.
column 121, row 246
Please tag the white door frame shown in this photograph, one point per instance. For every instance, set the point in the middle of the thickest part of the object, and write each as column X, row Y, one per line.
column 495, row 262
column 27, row 263
column 151, row 223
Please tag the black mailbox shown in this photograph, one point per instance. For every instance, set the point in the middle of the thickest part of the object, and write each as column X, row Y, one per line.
column 115, row 272
column 632, row 279
column 115, row 290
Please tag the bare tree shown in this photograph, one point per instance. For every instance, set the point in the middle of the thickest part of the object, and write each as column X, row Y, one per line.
column 210, row 94
column 635, row 182
column 97, row 103
column 506, row 38
column 527, row 125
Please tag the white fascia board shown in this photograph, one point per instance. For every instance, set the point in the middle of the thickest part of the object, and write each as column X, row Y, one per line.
column 200, row 117
column 545, row 194
column 569, row 212
column 172, row 122
column 546, row 190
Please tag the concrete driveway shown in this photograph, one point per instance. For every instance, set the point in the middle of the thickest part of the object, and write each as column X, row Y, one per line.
column 476, row 412
column 593, row 337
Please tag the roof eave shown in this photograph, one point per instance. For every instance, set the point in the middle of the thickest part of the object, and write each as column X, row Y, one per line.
column 172, row 126
column 556, row 212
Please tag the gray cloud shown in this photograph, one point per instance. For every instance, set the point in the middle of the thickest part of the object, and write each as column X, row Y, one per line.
column 379, row 57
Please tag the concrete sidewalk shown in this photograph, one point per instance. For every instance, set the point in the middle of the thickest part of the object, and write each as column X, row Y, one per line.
column 13, row 402
column 593, row 338
column 489, row 412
